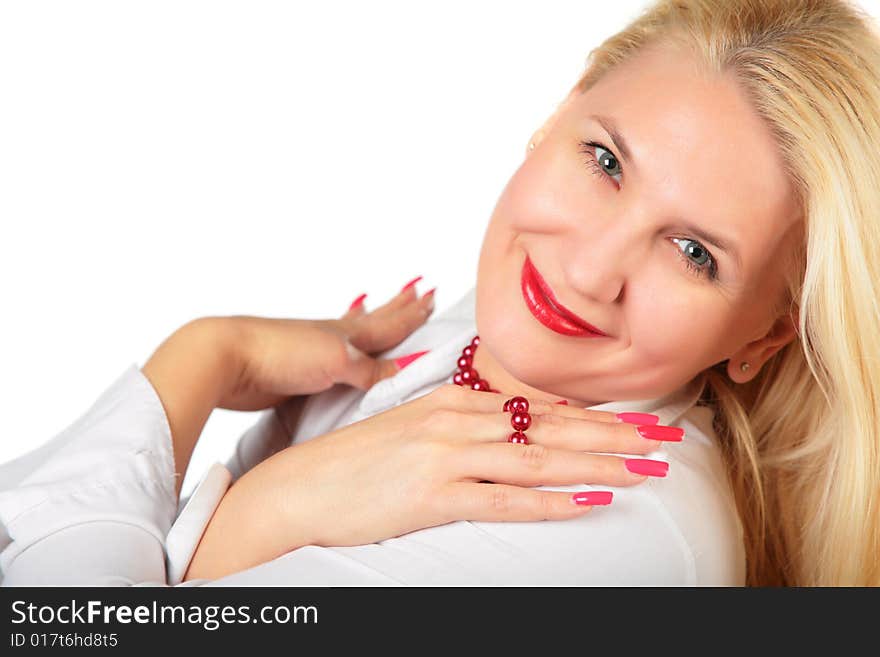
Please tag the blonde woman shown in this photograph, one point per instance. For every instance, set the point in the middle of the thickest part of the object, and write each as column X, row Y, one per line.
column 693, row 234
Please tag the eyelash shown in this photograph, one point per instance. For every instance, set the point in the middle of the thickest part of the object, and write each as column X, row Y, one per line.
column 709, row 272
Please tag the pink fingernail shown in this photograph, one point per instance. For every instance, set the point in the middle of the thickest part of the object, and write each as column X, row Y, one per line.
column 411, row 283
column 647, row 467
column 403, row 361
column 358, row 301
column 673, row 434
column 638, row 418
column 592, row 498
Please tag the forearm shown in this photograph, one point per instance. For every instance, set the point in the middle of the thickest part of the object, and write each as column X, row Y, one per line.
column 253, row 523
column 191, row 371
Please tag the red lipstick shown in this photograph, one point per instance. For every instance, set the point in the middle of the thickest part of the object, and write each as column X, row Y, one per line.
column 542, row 303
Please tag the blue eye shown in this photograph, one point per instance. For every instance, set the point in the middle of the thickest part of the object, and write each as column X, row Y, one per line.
column 707, row 267
column 604, row 159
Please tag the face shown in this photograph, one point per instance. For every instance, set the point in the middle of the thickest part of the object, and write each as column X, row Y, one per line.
column 619, row 234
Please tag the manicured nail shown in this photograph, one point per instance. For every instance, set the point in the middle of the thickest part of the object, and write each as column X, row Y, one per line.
column 563, row 401
column 358, row 301
column 647, row 467
column 638, row 418
column 592, row 498
column 429, row 295
column 651, row 432
column 411, row 283
column 403, row 361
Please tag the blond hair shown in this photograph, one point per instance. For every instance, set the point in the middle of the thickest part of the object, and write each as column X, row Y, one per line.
column 801, row 439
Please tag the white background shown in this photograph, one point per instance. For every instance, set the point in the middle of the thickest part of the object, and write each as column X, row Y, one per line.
column 166, row 160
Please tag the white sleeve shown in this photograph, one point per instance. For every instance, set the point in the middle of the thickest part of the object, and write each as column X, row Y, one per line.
column 94, row 506
column 186, row 532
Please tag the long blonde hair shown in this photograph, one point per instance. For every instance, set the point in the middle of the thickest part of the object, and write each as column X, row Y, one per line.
column 802, row 438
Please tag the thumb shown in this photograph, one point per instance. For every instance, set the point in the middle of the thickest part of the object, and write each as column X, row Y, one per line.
column 366, row 371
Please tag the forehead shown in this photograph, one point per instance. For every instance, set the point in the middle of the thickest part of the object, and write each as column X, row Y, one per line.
column 699, row 151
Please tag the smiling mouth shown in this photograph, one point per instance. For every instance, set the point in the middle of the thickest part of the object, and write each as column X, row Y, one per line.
column 542, row 303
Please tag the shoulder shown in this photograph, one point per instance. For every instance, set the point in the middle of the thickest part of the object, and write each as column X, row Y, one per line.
column 697, row 497
column 680, row 530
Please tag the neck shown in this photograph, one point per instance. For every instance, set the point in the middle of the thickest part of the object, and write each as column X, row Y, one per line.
column 500, row 379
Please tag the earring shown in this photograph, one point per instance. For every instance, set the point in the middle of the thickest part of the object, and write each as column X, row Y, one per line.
column 743, row 366
column 535, row 139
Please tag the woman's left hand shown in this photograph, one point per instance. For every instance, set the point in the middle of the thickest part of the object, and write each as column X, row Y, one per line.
column 278, row 358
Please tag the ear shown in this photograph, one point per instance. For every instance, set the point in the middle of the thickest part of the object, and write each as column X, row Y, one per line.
column 540, row 133
column 759, row 351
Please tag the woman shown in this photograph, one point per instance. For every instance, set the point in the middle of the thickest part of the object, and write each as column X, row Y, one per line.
column 731, row 272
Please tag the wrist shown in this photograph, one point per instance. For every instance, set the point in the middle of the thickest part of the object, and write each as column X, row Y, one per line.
column 225, row 337
column 190, row 372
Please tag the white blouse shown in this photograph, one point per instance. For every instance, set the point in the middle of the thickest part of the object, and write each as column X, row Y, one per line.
column 96, row 505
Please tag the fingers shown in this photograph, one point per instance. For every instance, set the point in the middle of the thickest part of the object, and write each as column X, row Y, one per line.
column 407, row 294
column 539, row 465
column 363, row 371
column 561, row 432
column 417, row 309
column 383, row 328
column 357, row 306
column 487, row 402
column 388, row 325
column 501, row 502
column 560, row 429
column 404, row 299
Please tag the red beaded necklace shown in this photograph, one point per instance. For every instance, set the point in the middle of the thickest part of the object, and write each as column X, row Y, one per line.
column 466, row 375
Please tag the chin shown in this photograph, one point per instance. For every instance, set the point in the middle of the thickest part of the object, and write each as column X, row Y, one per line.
column 510, row 343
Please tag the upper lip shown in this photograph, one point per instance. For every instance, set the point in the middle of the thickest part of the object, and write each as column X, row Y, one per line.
column 562, row 310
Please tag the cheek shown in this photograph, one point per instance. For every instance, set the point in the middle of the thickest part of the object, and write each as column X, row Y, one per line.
column 517, row 212
column 532, row 198
column 677, row 327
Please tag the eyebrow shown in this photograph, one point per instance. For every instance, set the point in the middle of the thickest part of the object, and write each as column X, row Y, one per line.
column 619, row 141
column 611, row 128
column 724, row 244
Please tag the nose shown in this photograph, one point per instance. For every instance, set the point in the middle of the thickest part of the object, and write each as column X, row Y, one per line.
column 600, row 255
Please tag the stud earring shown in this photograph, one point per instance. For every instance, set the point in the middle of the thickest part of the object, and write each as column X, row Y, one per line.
column 744, row 366
column 531, row 145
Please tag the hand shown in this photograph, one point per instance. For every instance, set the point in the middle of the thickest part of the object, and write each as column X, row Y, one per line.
column 279, row 358
column 436, row 459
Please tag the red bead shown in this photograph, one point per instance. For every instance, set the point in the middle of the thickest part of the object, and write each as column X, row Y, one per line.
column 468, row 351
column 469, row 376
column 518, row 437
column 520, row 420
column 507, row 406
column 456, row 379
column 475, row 342
column 519, row 404
column 481, row 385
column 464, row 363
